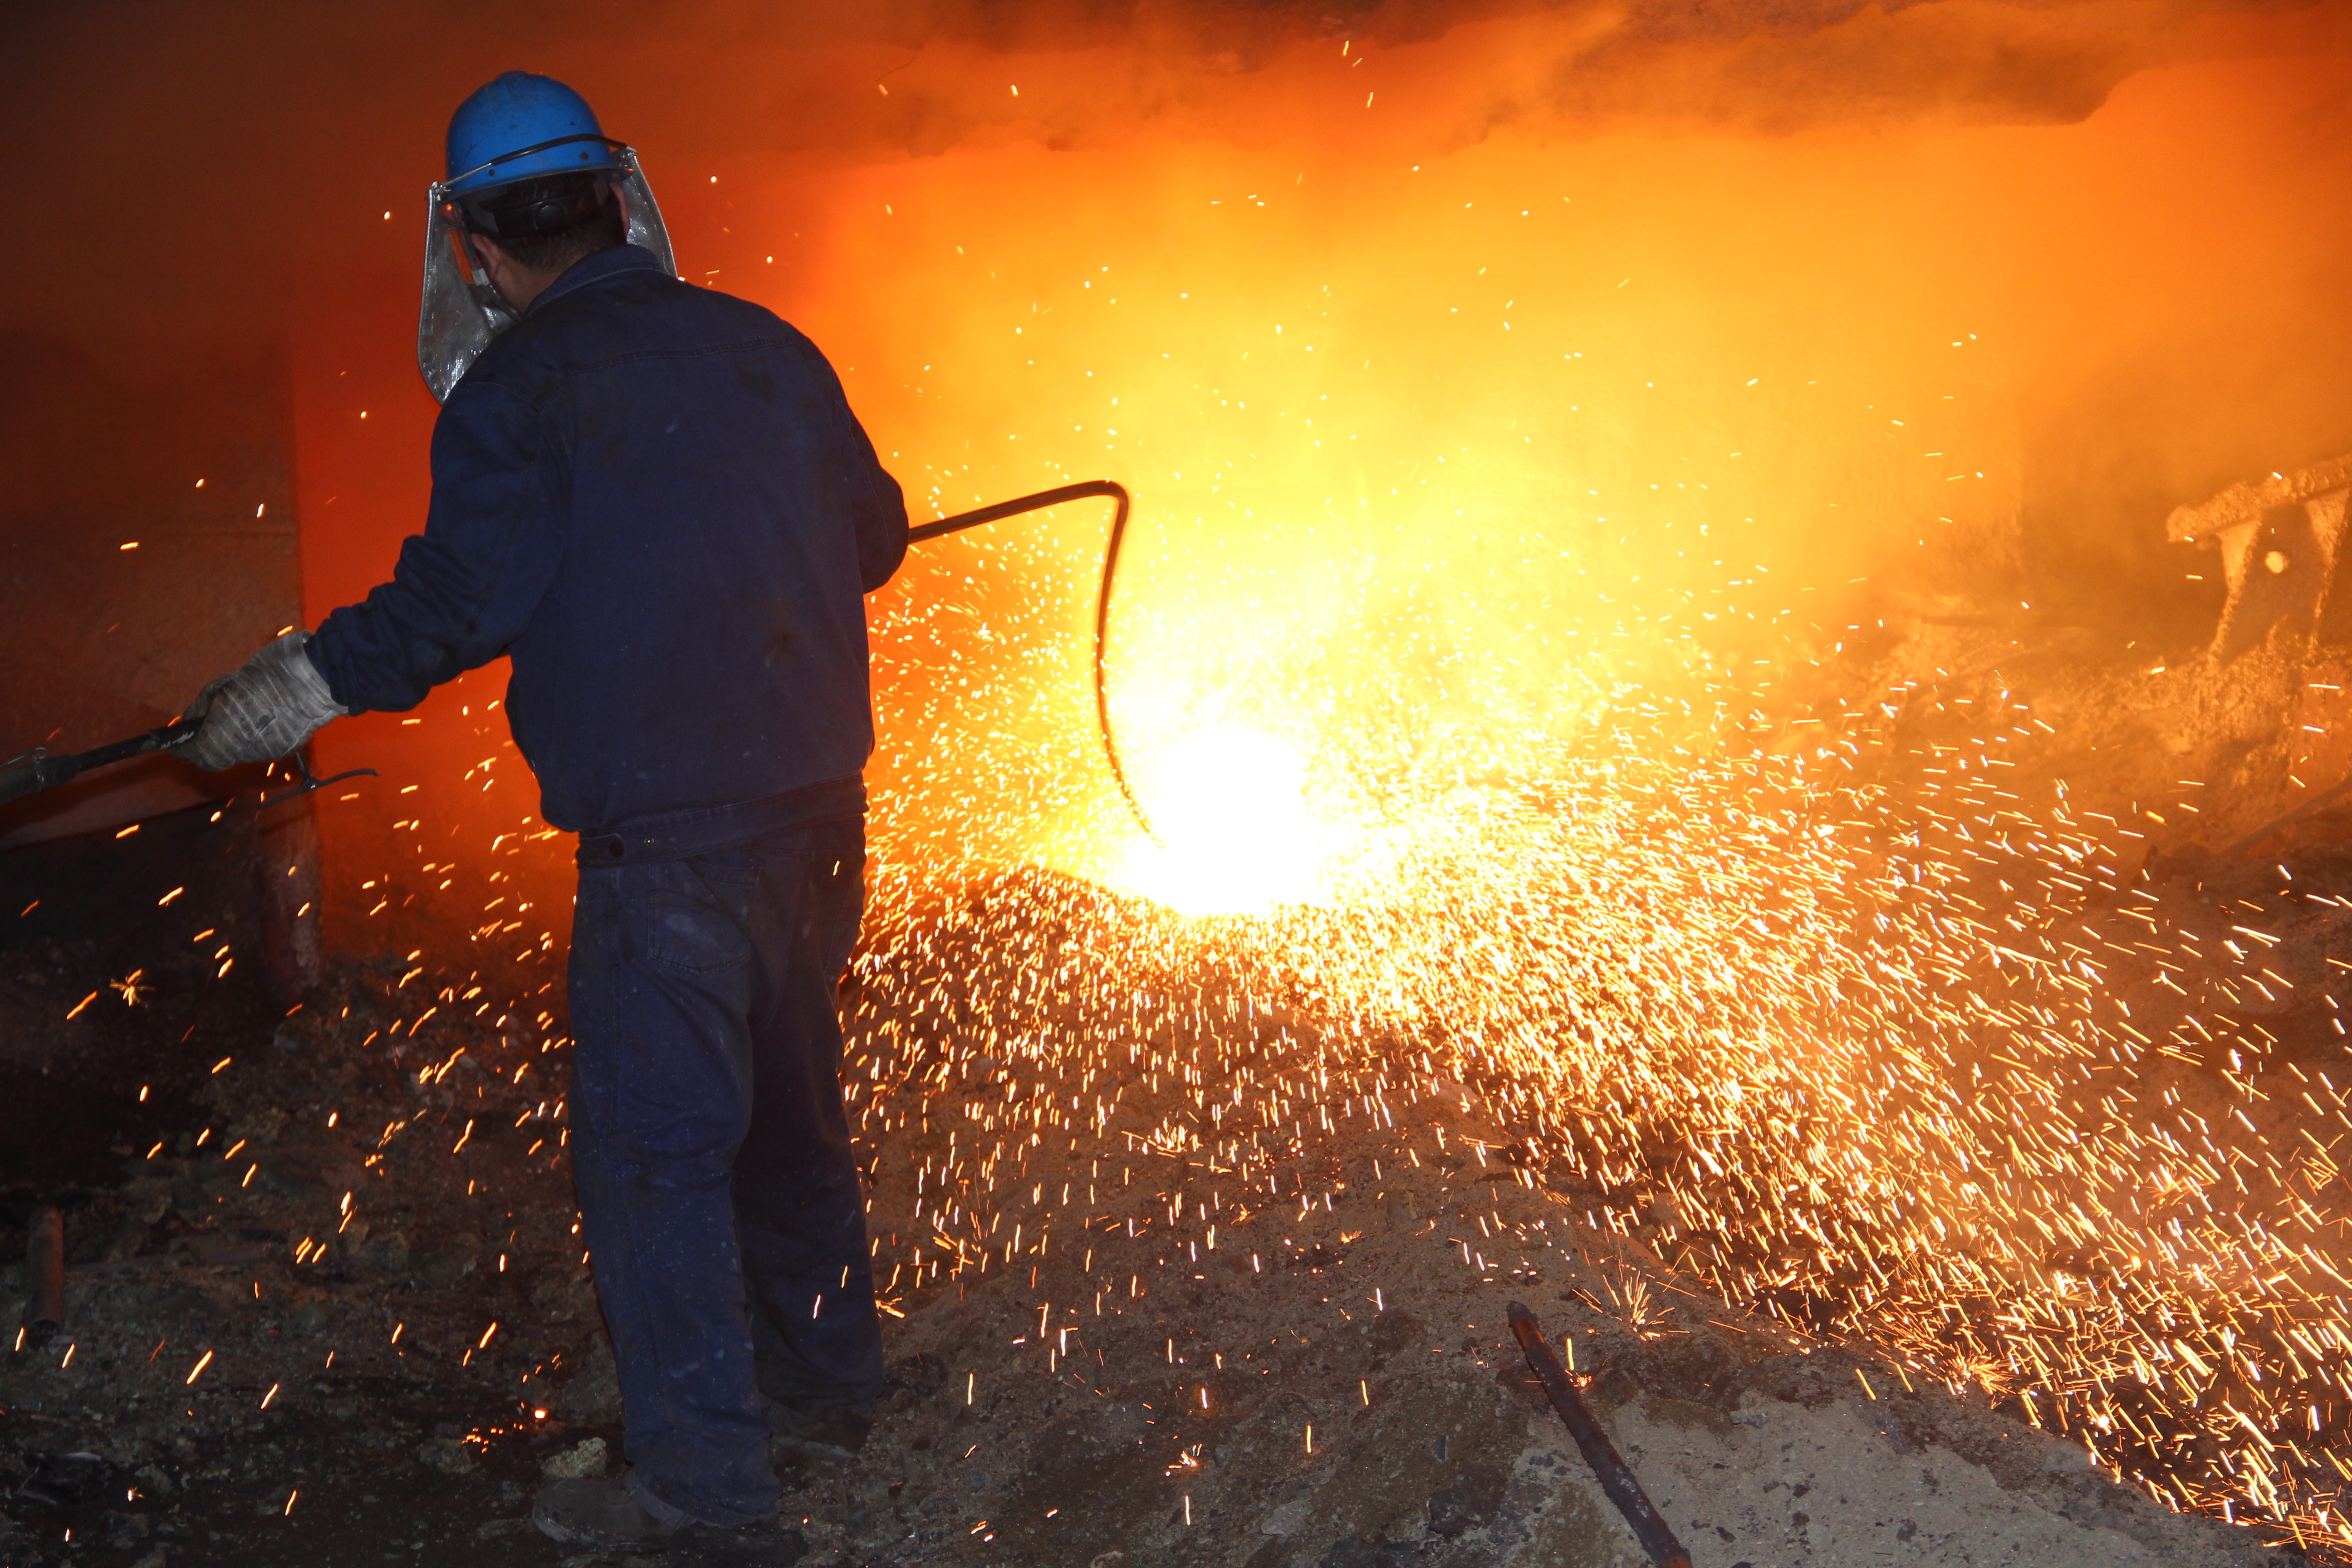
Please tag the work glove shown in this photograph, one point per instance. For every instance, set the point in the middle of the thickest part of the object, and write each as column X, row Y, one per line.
column 263, row 711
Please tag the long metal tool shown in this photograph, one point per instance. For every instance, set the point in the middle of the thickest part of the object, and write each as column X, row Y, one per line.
column 1039, row 502
column 38, row 772
column 1615, row 1476
column 32, row 775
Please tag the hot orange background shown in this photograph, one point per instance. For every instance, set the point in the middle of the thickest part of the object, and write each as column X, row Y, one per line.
column 1600, row 316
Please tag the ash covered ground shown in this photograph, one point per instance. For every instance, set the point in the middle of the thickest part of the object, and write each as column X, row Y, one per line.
column 1160, row 1362
column 1202, row 1272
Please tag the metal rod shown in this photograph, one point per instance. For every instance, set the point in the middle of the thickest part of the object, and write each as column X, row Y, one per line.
column 2332, row 793
column 36, row 773
column 1039, row 502
column 45, row 1270
column 1615, row 1476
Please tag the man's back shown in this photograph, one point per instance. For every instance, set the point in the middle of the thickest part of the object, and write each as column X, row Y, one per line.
column 657, row 498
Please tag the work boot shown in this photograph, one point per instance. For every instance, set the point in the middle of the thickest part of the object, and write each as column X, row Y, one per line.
column 602, row 1514
column 821, row 1430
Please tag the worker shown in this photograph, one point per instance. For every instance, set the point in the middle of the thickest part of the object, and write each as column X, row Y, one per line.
column 653, row 499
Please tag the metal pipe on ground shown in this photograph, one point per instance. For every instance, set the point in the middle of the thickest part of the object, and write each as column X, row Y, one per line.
column 1609, row 1467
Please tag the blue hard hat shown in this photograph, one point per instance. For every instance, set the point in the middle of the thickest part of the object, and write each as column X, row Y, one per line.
column 520, row 126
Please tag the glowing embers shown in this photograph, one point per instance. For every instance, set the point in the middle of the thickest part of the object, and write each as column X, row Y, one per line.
column 1237, row 833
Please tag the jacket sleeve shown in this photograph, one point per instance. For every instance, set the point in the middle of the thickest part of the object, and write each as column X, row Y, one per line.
column 877, row 508
column 466, row 587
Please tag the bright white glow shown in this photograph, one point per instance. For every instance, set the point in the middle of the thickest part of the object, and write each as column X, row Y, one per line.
column 1236, row 835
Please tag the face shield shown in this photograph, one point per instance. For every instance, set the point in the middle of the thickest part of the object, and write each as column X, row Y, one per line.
column 461, row 311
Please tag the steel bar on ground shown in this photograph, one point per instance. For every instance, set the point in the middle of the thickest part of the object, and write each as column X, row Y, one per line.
column 1615, row 1477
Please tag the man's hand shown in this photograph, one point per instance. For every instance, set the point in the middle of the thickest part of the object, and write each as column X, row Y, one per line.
column 263, row 711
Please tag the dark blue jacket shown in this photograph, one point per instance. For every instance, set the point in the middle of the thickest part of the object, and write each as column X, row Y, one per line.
column 654, row 498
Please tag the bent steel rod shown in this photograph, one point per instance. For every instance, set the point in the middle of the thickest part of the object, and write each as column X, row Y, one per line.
column 1039, row 502
column 31, row 774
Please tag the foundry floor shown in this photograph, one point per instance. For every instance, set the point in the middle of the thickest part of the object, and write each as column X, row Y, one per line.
column 1169, row 1364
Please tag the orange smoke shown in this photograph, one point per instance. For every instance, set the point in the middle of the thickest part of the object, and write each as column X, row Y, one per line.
column 1463, row 373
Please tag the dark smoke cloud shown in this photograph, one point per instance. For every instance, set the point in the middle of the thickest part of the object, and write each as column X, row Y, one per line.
column 180, row 163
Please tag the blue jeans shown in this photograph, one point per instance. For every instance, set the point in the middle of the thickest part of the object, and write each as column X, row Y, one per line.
column 710, row 1148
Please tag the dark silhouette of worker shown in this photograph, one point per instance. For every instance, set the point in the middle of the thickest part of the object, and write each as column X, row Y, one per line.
column 654, row 499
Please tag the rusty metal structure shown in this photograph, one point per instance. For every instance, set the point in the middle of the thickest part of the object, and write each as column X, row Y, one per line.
column 2279, row 538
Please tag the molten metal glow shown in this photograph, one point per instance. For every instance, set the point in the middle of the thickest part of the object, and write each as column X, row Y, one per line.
column 1236, row 835
column 1485, row 656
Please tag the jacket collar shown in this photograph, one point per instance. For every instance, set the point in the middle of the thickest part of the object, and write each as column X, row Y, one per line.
column 594, row 268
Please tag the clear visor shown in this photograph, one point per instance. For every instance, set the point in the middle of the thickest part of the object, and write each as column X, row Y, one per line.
column 461, row 311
